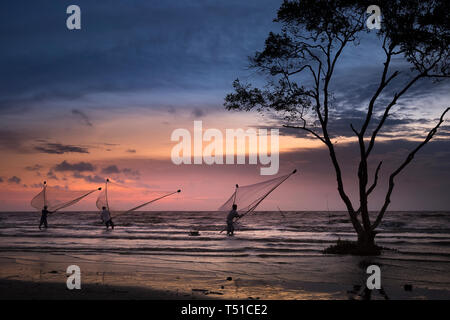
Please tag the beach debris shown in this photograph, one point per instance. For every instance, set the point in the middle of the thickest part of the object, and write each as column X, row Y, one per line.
column 194, row 233
column 222, row 287
column 207, row 292
column 229, row 278
column 408, row 287
column 200, row 290
column 53, row 271
column 251, row 298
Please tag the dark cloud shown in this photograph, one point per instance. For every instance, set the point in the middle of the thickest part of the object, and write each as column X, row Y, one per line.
column 78, row 167
column 198, row 113
column 89, row 178
column 51, row 175
column 57, row 148
column 14, row 179
column 82, row 116
column 131, row 173
column 131, row 151
column 171, row 109
column 37, row 185
column 36, row 167
column 111, row 170
column 1, row 180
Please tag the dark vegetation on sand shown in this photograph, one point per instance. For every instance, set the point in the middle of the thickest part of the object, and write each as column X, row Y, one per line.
column 353, row 248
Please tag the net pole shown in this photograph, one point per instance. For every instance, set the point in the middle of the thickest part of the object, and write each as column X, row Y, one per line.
column 45, row 193
column 235, row 194
column 72, row 202
column 146, row 203
column 106, row 193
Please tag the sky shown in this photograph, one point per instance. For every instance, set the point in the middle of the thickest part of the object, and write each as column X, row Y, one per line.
column 77, row 107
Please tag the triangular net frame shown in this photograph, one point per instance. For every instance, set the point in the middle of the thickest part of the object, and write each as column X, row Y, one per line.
column 120, row 199
column 57, row 198
column 247, row 198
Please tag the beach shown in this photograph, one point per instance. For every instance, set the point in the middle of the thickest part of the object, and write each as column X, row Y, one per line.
column 150, row 255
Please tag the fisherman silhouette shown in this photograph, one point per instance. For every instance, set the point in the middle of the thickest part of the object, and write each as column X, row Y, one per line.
column 45, row 212
column 106, row 218
column 230, row 224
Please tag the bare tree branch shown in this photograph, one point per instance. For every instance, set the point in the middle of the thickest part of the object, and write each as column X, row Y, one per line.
column 408, row 159
column 373, row 186
column 387, row 110
column 394, row 101
column 354, row 130
column 307, row 130
column 383, row 83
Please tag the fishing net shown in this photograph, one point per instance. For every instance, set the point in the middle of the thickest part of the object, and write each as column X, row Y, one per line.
column 247, row 198
column 120, row 199
column 57, row 198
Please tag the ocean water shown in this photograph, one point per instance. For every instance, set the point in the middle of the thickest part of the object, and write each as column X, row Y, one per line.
column 413, row 235
column 283, row 248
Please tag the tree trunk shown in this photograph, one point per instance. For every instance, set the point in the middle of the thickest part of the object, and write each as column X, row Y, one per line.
column 366, row 238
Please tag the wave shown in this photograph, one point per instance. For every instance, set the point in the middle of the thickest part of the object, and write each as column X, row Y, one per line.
column 262, row 235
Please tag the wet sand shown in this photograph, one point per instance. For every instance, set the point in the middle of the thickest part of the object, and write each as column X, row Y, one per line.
column 27, row 290
column 43, row 276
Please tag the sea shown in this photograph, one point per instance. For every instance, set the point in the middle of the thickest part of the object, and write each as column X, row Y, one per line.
column 280, row 245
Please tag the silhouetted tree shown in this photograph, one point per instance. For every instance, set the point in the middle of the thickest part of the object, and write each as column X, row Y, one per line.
column 300, row 61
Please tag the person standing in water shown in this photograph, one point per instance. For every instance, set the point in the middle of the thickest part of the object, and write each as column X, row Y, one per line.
column 230, row 224
column 106, row 217
column 45, row 212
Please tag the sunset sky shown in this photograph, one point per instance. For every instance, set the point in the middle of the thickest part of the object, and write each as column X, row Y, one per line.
column 79, row 106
